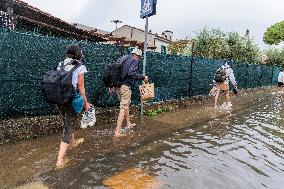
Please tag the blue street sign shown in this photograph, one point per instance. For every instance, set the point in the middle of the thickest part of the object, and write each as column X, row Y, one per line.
column 148, row 8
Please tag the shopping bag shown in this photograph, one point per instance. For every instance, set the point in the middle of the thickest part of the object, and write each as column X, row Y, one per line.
column 147, row 91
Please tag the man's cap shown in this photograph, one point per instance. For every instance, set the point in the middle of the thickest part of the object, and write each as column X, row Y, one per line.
column 136, row 51
column 229, row 63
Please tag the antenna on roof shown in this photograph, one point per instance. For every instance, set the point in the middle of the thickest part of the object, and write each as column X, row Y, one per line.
column 116, row 22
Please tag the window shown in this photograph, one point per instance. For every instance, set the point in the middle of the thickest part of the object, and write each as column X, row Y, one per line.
column 163, row 49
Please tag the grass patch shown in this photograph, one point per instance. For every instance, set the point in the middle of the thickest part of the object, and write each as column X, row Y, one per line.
column 155, row 112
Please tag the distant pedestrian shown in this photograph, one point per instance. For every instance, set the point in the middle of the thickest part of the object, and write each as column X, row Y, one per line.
column 74, row 55
column 221, row 80
column 130, row 67
column 281, row 80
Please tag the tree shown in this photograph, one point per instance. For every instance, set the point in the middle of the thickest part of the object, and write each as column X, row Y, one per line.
column 275, row 57
column 178, row 47
column 274, row 34
column 215, row 44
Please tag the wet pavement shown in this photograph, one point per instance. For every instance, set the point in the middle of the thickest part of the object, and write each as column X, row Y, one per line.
column 197, row 148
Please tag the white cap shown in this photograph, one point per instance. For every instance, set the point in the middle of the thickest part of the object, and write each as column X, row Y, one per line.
column 137, row 52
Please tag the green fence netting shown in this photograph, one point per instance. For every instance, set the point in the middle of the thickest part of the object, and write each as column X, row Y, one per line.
column 25, row 57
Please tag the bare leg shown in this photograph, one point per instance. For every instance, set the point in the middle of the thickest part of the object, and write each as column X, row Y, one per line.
column 227, row 97
column 62, row 152
column 119, row 122
column 216, row 98
column 72, row 141
column 129, row 125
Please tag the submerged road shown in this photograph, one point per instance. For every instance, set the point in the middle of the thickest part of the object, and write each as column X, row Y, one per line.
column 199, row 148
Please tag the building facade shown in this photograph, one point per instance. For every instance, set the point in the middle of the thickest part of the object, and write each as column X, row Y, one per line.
column 90, row 29
column 156, row 42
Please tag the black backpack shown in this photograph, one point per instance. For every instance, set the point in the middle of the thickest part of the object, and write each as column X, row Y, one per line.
column 220, row 75
column 112, row 74
column 57, row 85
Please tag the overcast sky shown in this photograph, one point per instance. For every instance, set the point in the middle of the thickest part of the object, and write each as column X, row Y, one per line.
column 183, row 17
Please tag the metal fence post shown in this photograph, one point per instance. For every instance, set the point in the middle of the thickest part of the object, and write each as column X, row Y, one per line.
column 190, row 70
column 272, row 74
column 247, row 81
column 261, row 76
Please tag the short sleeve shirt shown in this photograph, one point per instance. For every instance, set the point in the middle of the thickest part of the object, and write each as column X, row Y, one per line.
column 80, row 70
column 281, row 77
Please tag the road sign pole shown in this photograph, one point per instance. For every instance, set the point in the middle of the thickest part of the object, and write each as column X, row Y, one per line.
column 144, row 58
column 145, row 45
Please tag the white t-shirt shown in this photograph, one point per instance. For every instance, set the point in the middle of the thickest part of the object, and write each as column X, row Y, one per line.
column 81, row 69
column 281, row 77
column 230, row 75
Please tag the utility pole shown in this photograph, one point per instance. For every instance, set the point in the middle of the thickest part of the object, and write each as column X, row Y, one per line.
column 116, row 22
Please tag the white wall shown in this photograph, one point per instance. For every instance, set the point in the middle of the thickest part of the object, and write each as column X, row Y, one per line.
column 159, row 43
column 133, row 34
column 139, row 35
column 168, row 35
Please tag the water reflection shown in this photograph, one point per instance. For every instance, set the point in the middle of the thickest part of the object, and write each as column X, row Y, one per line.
column 133, row 178
column 239, row 150
column 35, row 185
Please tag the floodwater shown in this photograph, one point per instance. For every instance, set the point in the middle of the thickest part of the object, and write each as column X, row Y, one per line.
column 198, row 148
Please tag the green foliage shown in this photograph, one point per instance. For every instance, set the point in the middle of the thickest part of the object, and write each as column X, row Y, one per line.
column 275, row 57
column 178, row 47
column 215, row 44
column 155, row 112
column 274, row 34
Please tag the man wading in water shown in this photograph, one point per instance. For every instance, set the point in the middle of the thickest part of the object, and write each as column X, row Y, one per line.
column 130, row 67
column 221, row 83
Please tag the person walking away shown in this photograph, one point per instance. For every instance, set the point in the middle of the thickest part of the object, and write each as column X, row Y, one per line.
column 130, row 67
column 222, row 77
column 74, row 56
column 281, row 80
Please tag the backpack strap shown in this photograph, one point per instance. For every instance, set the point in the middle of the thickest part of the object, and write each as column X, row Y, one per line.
column 77, row 65
column 61, row 65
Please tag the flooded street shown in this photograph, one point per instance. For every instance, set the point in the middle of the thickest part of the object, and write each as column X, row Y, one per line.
column 198, row 148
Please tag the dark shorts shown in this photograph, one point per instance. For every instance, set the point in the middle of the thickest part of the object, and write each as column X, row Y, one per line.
column 70, row 121
column 280, row 84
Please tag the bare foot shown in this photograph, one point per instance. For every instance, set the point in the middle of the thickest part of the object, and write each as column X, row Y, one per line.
column 62, row 164
column 131, row 125
column 77, row 143
column 117, row 134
